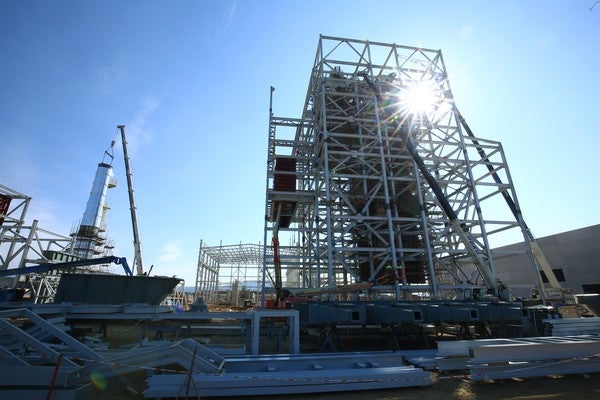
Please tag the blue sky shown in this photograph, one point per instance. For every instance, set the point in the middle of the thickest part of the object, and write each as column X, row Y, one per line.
column 190, row 81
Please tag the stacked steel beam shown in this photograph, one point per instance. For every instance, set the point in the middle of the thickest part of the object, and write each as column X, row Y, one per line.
column 516, row 358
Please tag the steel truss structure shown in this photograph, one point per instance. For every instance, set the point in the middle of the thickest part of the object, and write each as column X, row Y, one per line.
column 235, row 268
column 357, row 204
column 23, row 245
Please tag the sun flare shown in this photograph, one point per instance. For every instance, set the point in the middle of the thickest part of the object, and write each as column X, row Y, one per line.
column 419, row 97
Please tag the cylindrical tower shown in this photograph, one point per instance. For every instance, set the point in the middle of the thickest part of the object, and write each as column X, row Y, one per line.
column 89, row 241
column 92, row 216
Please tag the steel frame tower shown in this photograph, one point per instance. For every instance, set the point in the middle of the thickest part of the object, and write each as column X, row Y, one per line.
column 235, row 266
column 207, row 276
column 363, row 206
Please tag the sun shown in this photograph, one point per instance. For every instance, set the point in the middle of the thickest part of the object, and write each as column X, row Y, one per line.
column 419, row 97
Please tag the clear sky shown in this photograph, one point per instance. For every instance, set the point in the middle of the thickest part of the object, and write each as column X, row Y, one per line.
column 190, row 81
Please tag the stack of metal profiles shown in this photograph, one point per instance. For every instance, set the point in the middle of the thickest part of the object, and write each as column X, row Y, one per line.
column 516, row 358
column 571, row 326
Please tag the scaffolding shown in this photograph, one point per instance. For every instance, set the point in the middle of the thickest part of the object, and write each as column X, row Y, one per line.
column 356, row 203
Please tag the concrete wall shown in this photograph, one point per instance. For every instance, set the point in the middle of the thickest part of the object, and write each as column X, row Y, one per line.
column 576, row 252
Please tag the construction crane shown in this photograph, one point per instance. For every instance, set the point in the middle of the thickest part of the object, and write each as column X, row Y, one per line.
column 403, row 125
column 137, row 259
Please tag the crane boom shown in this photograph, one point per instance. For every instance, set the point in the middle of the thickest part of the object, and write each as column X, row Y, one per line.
column 137, row 259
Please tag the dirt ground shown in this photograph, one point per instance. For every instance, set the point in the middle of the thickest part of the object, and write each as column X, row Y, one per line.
column 574, row 387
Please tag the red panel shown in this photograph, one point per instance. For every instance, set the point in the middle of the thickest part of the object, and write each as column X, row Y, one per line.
column 4, row 204
column 285, row 182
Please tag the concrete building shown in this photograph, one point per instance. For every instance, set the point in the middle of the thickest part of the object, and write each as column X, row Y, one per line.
column 574, row 256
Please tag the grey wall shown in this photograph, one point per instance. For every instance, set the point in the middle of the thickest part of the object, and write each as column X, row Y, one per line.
column 576, row 252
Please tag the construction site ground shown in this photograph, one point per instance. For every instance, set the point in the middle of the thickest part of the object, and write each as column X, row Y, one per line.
column 447, row 386
column 455, row 387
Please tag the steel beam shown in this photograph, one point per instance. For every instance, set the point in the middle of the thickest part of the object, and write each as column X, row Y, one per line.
column 313, row 361
column 571, row 326
column 533, row 351
column 279, row 383
column 31, row 342
column 534, row 368
column 81, row 350
column 294, row 328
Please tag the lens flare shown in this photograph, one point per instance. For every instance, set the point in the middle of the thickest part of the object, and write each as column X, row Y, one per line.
column 420, row 97
column 98, row 380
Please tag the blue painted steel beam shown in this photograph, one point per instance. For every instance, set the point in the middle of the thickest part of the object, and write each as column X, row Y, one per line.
column 391, row 312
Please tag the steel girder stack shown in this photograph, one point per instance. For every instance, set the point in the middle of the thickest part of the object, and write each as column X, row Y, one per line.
column 361, row 207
